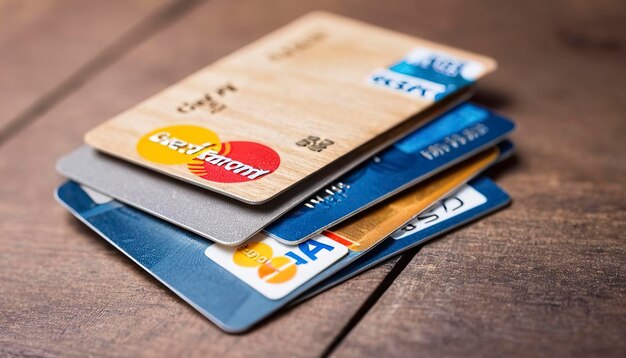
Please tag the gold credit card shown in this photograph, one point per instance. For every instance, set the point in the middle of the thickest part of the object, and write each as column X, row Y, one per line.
column 267, row 116
column 370, row 227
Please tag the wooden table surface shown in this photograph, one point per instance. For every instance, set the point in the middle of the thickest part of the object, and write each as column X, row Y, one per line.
column 545, row 277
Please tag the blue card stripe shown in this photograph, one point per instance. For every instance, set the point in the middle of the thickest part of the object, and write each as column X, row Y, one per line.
column 496, row 199
column 176, row 258
column 456, row 135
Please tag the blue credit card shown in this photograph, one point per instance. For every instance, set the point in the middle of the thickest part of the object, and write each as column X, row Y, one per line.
column 478, row 198
column 456, row 135
column 174, row 256
column 230, row 286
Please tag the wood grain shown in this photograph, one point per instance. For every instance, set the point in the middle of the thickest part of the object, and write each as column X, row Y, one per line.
column 260, row 94
column 544, row 277
column 74, row 295
column 45, row 45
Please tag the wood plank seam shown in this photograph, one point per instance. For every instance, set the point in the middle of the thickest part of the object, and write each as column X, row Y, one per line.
column 145, row 28
column 371, row 300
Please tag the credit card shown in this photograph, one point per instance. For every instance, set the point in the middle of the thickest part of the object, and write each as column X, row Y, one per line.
column 361, row 232
column 233, row 287
column 448, row 139
column 262, row 119
column 228, row 222
column 477, row 199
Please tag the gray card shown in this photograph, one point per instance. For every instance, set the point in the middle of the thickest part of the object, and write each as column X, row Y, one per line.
column 206, row 213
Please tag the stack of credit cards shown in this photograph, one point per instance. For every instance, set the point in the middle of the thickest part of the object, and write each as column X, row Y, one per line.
column 291, row 165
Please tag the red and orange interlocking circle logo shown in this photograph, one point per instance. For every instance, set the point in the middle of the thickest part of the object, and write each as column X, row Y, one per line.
column 206, row 156
column 271, row 269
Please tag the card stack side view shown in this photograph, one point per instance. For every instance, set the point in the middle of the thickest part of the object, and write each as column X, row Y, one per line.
column 292, row 165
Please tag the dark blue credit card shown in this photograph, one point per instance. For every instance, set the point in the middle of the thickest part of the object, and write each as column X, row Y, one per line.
column 235, row 287
column 456, row 135
column 478, row 198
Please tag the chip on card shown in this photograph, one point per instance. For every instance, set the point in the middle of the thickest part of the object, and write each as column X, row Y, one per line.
column 279, row 110
column 448, row 139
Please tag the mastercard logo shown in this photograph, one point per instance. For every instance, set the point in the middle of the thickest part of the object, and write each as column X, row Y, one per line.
column 206, row 156
column 270, row 269
column 274, row 269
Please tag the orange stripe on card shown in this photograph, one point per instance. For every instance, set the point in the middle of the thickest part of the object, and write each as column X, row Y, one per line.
column 339, row 239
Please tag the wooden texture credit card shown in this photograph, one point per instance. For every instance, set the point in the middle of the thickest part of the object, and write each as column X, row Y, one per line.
column 229, row 221
column 267, row 116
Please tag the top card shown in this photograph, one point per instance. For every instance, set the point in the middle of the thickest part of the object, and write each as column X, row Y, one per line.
column 267, row 116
